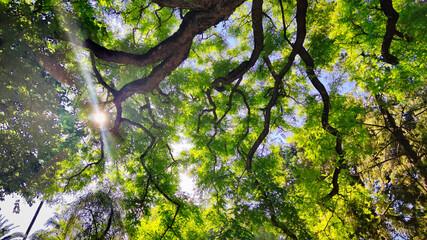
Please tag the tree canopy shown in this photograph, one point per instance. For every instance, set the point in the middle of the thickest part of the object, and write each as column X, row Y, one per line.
column 306, row 119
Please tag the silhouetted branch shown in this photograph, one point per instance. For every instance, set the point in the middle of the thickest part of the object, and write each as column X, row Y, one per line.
column 110, row 220
column 170, row 199
column 101, row 158
column 392, row 17
column 184, row 4
column 153, row 139
column 176, row 211
column 359, row 27
column 200, row 116
column 248, row 122
column 212, row 103
column 301, row 32
column 258, row 32
column 308, row 60
column 401, row 138
column 99, row 77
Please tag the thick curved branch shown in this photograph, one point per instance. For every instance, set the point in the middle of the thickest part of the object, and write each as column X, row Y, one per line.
column 308, row 60
column 194, row 22
column 152, row 81
column 146, row 84
column 392, row 17
column 185, row 4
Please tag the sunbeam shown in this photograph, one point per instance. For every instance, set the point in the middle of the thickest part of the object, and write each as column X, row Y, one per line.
column 99, row 116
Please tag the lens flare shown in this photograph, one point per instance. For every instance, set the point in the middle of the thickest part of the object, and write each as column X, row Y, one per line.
column 99, row 118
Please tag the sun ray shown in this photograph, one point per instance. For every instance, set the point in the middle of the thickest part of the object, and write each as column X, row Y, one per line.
column 98, row 115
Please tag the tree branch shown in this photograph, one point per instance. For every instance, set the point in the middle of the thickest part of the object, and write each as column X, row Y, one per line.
column 194, row 22
column 153, row 139
column 308, row 60
column 301, row 32
column 273, row 216
column 87, row 165
column 185, row 4
column 176, row 203
column 392, row 17
column 176, row 211
column 99, row 77
column 158, row 73
column 258, row 32
column 398, row 134
column 110, row 220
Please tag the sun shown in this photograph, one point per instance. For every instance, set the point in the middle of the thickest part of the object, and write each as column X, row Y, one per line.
column 99, row 117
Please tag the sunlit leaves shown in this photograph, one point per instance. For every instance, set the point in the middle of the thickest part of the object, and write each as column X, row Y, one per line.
column 340, row 163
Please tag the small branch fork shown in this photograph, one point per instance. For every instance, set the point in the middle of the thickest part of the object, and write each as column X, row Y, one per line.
column 258, row 31
column 398, row 134
column 101, row 158
column 150, row 177
column 99, row 77
column 274, row 219
column 146, row 131
column 237, row 73
column 229, row 105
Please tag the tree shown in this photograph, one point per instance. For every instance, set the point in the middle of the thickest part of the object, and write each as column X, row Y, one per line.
column 93, row 216
column 306, row 118
column 6, row 229
column 35, row 127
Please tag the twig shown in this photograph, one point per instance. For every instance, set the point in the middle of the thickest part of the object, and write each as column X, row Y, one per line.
column 87, row 165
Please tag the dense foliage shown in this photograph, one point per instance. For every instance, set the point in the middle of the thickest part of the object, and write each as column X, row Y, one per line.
column 304, row 119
